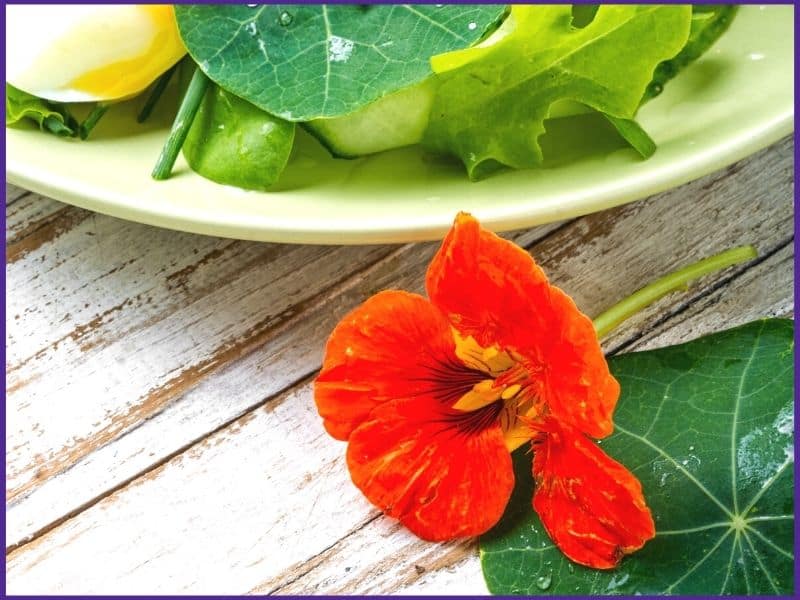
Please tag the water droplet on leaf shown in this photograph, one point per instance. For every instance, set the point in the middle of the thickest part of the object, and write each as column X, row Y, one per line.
column 339, row 49
column 285, row 19
column 544, row 581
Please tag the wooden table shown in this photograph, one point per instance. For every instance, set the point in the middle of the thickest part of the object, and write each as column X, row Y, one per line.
column 162, row 435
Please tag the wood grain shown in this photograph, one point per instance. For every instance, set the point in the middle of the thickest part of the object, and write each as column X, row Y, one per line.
column 28, row 214
column 13, row 193
column 293, row 352
column 162, row 312
column 264, row 505
column 161, row 429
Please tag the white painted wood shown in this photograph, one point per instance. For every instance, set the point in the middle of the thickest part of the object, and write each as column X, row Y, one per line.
column 382, row 557
column 463, row 578
column 265, row 504
column 13, row 193
column 288, row 353
column 128, row 319
column 760, row 292
column 245, row 505
column 30, row 213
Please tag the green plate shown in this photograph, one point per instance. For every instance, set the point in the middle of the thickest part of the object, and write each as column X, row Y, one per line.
column 737, row 99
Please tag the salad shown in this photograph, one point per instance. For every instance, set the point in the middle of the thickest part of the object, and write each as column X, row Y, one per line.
column 480, row 84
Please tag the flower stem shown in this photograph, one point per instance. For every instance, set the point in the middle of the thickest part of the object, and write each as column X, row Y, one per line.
column 680, row 279
column 180, row 127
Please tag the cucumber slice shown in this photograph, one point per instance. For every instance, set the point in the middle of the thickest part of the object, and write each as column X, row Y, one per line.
column 396, row 120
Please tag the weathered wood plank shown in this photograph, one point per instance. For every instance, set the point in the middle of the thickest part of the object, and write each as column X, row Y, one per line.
column 763, row 291
column 293, row 352
column 463, row 578
column 273, row 494
column 250, row 519
column 90, row 533
column 360, row 565
column 750, row 202
column 162, row 308
column 14, row 193
column 29, row 215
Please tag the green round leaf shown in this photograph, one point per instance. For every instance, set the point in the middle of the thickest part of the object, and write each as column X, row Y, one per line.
column 707, row 427
column 305, row 62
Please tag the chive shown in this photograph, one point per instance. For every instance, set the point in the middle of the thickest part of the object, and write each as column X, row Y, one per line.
column 155, row 94
column 89, row 122
column 180, row 127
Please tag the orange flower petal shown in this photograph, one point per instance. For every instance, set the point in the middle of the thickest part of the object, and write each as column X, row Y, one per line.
column 493, row 290
column 444, row 475
column 395, row 345
column 591, row 506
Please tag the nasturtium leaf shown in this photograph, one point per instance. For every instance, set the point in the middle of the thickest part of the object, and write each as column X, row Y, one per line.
column 305, row 62
column 493, row 100
column 707, row 427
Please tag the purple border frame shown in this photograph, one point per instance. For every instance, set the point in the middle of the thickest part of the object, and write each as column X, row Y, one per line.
column 796, row 268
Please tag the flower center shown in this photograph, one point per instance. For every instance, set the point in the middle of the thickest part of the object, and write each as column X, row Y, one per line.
column 508, row 388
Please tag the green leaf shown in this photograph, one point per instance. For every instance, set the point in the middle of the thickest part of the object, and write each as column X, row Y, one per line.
column 233, row 142
column 707, row 427
column 52, row 118
column 306, row 62
column 493, row 100
column 633, row 133
column 709, row 22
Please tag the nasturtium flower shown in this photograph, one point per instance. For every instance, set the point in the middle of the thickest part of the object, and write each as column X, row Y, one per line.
column 433, row 395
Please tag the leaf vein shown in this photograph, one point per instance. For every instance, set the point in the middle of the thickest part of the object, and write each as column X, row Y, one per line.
column 735, row 420
column 771, row 544
column 680, row 467
column 761, row 563
column 698, row 563
column 767, row 484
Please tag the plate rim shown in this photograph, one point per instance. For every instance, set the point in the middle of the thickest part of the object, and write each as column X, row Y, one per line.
column 727, row 152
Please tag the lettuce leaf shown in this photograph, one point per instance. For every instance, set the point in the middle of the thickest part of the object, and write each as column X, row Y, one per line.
column 493, row 100
column 709, row 22
column 22, row 106
column 633, row 133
